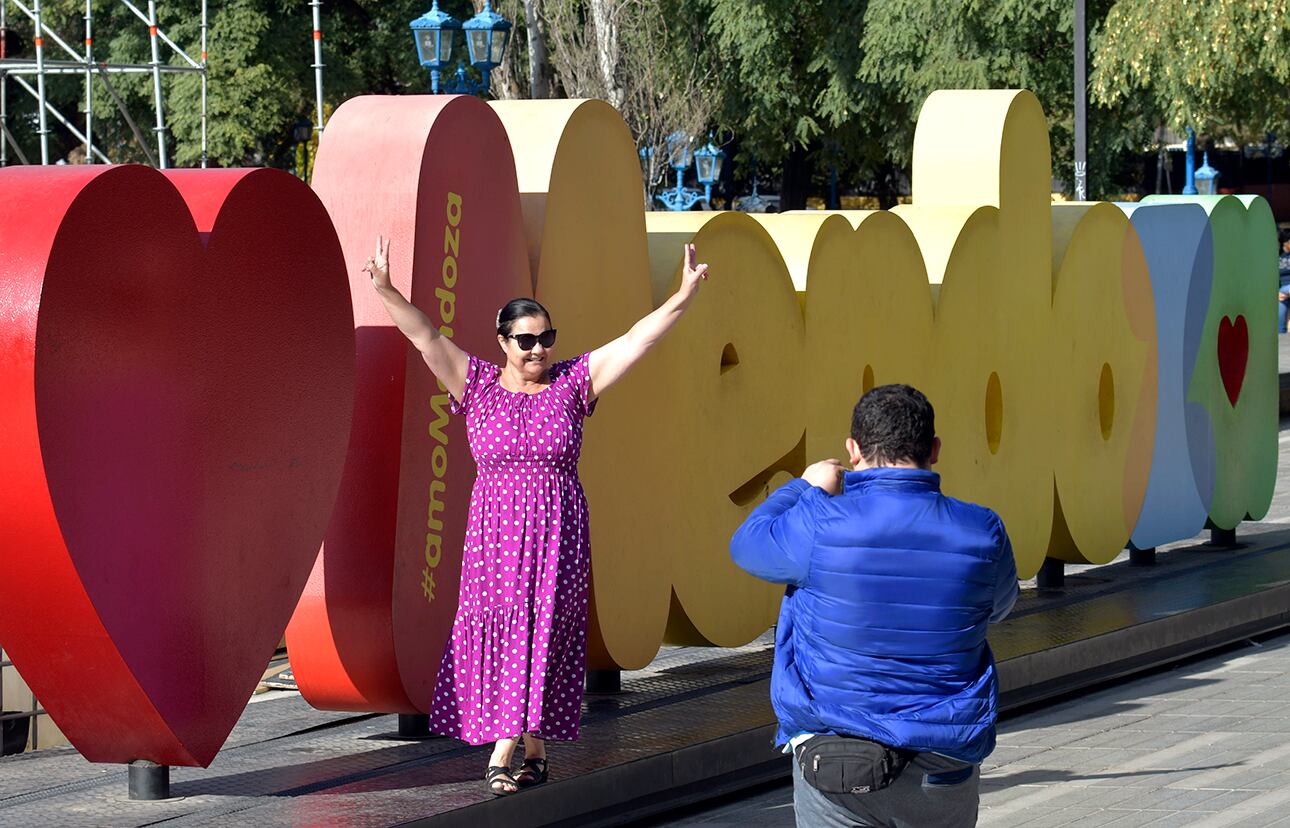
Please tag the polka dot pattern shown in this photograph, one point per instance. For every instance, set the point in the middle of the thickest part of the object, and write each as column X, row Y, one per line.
column 516, row 661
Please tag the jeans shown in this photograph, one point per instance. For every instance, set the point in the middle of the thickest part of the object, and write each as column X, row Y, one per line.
column 919, row 798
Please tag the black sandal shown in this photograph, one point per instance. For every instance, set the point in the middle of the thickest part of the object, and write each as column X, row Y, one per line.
column 500, row 774
column 532, row 772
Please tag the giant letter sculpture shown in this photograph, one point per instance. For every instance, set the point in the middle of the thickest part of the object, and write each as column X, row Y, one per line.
column 1104, row 417
column 1179, row 249
column 579, row 182
column 980, row 213
column 434, row 174
column 1236, row 367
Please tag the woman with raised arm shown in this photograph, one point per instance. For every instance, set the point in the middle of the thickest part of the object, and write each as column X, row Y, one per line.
column 516, row 661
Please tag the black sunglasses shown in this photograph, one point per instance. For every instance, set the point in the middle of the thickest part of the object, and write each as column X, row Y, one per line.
column 526, row 341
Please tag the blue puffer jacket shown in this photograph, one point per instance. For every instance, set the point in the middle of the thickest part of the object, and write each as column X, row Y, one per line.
column 882, row 630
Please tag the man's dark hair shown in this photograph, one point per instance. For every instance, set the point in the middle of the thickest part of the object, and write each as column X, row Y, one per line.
column 894, row 424
column 517, row 309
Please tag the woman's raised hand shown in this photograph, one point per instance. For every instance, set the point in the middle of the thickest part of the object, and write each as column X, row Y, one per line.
column 447, row 362
column 693, row 273
column 378, row 266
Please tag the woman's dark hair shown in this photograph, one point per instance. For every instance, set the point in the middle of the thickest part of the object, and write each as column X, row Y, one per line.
column 893, row 424
column 518, row 309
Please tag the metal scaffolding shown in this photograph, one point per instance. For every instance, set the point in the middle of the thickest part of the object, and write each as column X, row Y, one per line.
column 316, row 5
column 84, row 64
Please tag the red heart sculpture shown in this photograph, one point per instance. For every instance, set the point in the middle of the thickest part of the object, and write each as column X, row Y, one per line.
column 1233, row 355
column 176, row 387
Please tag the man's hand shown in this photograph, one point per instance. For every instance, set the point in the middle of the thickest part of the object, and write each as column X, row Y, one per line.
column 826, row 474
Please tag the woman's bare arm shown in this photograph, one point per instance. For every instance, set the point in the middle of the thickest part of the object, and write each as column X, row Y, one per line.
column 447, row 362
column 611, row 362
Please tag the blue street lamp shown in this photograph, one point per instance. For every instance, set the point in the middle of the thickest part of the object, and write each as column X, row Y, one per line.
column 752, row 203
column 1206, row 178
column 707, row 166
column 1189, row 168
column 679, row 152
column 487, row 35
column 679, row 156
column 707, row 163
column 433, row 33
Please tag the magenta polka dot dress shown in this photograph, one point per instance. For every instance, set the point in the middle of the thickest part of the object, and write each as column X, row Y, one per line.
column 516, row 661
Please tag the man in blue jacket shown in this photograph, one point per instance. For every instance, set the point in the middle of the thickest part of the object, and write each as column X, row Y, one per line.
column 881, row 636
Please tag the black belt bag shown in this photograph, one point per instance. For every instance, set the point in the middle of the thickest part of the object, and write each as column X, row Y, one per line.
column 848, row 764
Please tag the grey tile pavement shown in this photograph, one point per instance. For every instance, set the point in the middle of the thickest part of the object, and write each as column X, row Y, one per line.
column 1082, row 762
column 1205, row 744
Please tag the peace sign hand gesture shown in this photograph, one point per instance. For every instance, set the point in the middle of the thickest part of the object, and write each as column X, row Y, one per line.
column 693, row 273
column 378, row 266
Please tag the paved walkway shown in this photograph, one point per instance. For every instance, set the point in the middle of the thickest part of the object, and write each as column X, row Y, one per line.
column 1206, row 744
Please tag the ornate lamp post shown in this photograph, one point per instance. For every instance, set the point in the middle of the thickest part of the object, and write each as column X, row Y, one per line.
column 752, row 203
column 487, row 35
column 707, row 165
column 433, row 33
column 679, row 156
column 707, row 161
column 1189, row 168
column 1207, row 178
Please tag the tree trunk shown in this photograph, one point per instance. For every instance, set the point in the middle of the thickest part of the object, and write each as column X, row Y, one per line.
column 1238, row 185
column 796, row 181
column 539, row 70
column 606, row 26
column 889, row 178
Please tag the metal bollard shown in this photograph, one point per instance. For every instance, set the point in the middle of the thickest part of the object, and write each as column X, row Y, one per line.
column 1142, row 557
column 604, row 681
column 1052, row 574
column 149, row 781
column 414, row 726
column 1222, row 538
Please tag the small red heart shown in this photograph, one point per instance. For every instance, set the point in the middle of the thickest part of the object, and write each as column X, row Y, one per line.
column 1233, row 355
column 176, row 387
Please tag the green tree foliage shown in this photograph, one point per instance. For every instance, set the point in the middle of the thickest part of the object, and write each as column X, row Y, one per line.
column 803, row 85
column 840, row 82
column 1220, row 66
column 790, row 72
column 791, row 90
column 914, row 47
